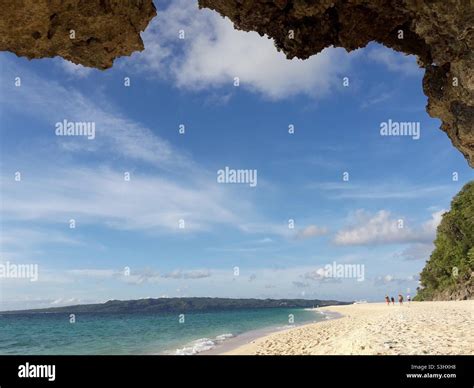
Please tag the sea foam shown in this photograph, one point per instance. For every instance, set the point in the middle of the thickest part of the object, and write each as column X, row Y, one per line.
column 201, row 345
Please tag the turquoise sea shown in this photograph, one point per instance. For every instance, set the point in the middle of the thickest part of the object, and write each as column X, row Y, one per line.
column 52, row 333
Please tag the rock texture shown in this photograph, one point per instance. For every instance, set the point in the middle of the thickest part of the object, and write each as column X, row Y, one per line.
column 463, row 291
column 103, row 29
column 440, row 33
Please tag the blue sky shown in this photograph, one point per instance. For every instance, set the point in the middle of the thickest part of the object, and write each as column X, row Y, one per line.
column 190, row 81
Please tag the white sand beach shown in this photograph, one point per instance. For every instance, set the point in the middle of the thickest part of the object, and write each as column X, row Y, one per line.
column 375, row 328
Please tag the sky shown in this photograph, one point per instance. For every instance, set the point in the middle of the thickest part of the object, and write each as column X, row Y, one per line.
column 137, row 211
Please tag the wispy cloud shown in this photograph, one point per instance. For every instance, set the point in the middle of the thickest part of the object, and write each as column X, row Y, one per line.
column 146, row 202
column 370, row 190
column 139, row 276
column 376, row 100
column 176, row 189
column 49, row 102
column 299, row 284
column 190, row 274
column 20, row 237
column 126, row 275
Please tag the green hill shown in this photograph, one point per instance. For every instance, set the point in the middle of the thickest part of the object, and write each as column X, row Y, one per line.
column 182, row 305
column 448, row 274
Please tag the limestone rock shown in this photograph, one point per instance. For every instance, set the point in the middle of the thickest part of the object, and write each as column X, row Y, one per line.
column 102, row 30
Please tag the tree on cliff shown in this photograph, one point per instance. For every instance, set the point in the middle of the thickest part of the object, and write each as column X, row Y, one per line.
column 448, row 272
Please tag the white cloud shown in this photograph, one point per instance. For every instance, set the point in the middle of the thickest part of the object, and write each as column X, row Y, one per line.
column 65, row 302
column 431, row 225
column 418, row 251
column 213, row 53
column 381, row 228
column 311, row 231
column 191, row 274
column 75, row 70
column 25, row 303
column 320, row 275
column 395, row 61
column 388, row 279
column 299, row 284
column 317, row 274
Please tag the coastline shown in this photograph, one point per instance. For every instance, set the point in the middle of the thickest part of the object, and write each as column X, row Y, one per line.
column 232, row 344
column 423, row 328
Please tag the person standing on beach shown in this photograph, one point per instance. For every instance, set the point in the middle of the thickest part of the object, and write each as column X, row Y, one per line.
column 408, row 298
column 400, row 299
column 387, row 300
column 393, row 300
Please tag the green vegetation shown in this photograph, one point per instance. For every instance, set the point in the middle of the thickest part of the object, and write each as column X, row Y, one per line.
column 182, row 305
column 448, row 272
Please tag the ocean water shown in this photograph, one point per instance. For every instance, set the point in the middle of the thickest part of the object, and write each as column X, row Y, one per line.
column 52, row 333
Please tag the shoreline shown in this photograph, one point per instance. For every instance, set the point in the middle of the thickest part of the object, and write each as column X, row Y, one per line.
column 251, row 336
column 422, row 328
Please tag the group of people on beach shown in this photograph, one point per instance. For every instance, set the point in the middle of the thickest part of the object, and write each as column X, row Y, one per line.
column 392, row 299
